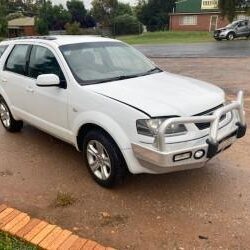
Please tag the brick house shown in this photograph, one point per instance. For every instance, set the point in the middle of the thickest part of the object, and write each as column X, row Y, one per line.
column 24, row 26
column 198, row 15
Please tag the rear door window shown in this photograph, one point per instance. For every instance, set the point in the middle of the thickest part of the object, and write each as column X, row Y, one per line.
column 2, row 49
column 18, row 59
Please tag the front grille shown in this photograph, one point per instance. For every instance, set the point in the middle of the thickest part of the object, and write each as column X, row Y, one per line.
column 206, row 125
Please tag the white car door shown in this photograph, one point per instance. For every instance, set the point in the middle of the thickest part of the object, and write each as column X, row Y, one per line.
column 48, row 107
column 14, row 79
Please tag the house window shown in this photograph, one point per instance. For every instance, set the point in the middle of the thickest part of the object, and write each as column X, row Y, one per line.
column 188, row 20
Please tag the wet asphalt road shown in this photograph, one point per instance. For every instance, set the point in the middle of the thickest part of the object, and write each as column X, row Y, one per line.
column 237, row 48
column 202, row 209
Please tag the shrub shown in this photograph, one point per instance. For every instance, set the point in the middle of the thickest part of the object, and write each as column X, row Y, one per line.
column 42, row 26
column 126, row 25
column 73, row 29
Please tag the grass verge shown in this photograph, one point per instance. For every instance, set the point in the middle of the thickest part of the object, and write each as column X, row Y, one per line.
column 8, row 242
column 164, row 37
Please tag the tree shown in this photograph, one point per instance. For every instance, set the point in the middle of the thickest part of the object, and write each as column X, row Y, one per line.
column 26, row 7
column 3, row 20
column 123, row 9
column 51, row 17
column 77, row 11
column 229, row 7
column 126, row 25
column 104, row 11
column 154, row 13
column 42, row 26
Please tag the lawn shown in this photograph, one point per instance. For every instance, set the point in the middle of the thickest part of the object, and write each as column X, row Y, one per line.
column 8, row 242
column 164, row 37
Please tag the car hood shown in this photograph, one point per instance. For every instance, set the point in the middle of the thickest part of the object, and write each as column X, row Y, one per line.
column 163, row 94
column 224, row 28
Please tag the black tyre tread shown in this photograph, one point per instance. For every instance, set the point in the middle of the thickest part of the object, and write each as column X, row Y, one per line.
column 119, row 167
column 15, row 126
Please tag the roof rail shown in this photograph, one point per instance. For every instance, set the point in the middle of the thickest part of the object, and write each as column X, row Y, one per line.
column 50, row 38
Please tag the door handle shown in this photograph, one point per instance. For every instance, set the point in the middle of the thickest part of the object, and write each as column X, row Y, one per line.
column 30, row 89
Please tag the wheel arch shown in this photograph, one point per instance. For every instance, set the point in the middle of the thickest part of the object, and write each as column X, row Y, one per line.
column 85, row 128
column 231, row 32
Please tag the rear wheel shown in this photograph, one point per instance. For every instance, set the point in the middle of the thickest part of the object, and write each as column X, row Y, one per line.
column 230, row 36
column 218, row 39
column 104, row 159
column 9, row 123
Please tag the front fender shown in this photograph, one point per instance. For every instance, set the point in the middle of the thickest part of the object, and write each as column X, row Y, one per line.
column 106, row 123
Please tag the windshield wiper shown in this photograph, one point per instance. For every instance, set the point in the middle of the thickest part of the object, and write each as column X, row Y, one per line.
column 124, row 77
column 154, row 70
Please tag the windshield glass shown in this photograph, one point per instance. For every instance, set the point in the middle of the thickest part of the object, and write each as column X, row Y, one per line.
column 98, row 62
column 233, row 24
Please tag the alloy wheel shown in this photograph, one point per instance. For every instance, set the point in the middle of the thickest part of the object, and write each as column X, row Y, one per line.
column 98, row 160
column 5, row 115
column 231, row 37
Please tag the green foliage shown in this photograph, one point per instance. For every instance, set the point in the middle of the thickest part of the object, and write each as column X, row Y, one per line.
column 3, row 20
column 51, row 17
column 230, row 7
column 126, row 24
column 122, row 9
column 27, row 7
column 104, row 11
column 14, row 15
column 77, row 11
column 42, row 26
column 168, row 37
column 73, row 28
column 8, row 242
column 154, row 13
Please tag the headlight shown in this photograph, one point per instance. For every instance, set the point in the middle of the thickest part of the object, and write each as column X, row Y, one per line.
column 150, row 127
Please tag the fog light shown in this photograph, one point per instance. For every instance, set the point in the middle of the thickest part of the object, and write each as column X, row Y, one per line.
column 183, row 156
column 199, row 154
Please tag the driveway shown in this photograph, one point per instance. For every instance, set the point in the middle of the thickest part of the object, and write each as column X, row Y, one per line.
column 237, row 48
column 206, row 208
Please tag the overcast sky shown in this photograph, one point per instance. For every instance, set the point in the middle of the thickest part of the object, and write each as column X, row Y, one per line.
column 87, row 2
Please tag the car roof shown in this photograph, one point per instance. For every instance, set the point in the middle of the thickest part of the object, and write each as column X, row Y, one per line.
column 58, row 40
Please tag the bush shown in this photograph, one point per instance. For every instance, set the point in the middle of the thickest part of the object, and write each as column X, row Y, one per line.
column 42, row 26
column 126, row 25
column 73, row 29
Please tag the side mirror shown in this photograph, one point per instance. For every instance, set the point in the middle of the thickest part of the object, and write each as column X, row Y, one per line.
column 48, row 80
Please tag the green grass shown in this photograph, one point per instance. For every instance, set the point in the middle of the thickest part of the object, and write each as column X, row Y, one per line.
column 164, row 37
column 8, row 242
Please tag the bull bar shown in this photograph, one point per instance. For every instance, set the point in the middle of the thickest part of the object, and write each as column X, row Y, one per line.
column 212, row 143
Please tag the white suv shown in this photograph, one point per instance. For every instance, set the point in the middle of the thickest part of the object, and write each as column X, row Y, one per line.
column 114, row 105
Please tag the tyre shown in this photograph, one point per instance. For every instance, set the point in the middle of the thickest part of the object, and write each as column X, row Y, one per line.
column 230, row 36
column 104, row 159
column 9, row 123
column 218, row 39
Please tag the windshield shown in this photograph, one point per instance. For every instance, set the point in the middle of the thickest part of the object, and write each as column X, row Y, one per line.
column 97, row 62
column 232, row 25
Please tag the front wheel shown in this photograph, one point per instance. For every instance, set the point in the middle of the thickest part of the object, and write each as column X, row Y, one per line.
column 231, row 36
column 9, row 123
column 104, row 159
